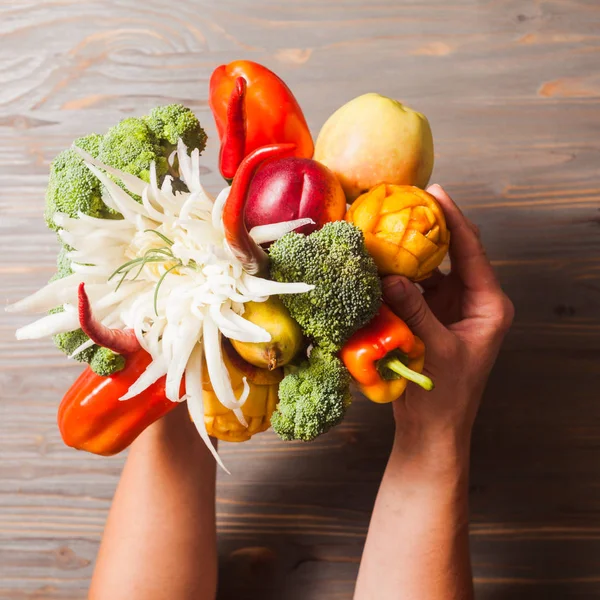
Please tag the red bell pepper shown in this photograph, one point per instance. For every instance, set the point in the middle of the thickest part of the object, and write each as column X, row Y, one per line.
column 91, row 417
column 257, row 112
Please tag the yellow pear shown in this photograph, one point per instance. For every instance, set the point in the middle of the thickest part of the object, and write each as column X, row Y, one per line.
column 373, row 139
column 286, row 335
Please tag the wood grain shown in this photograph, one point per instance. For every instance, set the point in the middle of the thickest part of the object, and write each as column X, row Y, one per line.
column 512, row 91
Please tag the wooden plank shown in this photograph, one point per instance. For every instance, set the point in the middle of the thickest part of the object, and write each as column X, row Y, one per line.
column 512, row 91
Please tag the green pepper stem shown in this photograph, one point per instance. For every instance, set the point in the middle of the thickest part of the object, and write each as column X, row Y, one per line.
column 397, row 366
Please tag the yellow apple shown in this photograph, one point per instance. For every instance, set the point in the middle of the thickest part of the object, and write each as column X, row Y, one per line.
column 373, row 139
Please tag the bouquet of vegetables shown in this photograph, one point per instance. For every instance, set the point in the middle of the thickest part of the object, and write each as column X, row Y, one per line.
column 260, row 306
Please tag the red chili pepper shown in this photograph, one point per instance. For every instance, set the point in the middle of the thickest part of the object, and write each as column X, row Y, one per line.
column 253, row 258
column 264, row 113
column 383, row 356
column 117, row 340
column 233, row 141
column 91, row 417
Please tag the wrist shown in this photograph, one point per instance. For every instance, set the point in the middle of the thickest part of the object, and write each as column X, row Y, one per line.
column 173, row 433
column 427, row 453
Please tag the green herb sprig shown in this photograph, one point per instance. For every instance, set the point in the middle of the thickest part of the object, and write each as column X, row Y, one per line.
column 152, row 255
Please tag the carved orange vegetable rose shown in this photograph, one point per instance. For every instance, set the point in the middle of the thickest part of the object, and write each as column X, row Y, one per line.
column 220, row 421
column 404, row 227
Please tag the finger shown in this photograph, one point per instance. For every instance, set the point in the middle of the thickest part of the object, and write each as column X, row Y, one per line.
column 467, row 254
column 474, row 227
column 408, row 303
column 433, row 280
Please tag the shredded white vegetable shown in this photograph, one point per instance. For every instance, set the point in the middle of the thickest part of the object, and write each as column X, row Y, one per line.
column 54, row 294
column 165, row 271
column 195, row 401
column 50, row 325
column 262, row 234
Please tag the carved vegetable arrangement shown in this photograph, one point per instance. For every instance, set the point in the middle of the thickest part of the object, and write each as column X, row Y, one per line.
column 257, row 306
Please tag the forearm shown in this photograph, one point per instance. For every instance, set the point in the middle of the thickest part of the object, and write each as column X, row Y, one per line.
column 417, row 547
column 160, row 539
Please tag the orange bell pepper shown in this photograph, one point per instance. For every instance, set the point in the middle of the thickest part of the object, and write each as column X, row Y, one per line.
column 404, row 227
column 253, row 107
column 91, row 417
column 383, row 356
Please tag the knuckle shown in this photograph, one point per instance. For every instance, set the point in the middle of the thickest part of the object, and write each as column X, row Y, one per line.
column 503, row 315
column 509, row 312
column 416, row 313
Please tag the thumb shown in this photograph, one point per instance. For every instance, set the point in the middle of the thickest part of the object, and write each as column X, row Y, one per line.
column 404, row 298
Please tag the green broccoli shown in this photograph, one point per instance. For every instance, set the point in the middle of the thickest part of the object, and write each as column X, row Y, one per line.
column 131, row 146
column 134, row 143
column 72, row 187
column 172, row 122
column 347, row 292
column 312, row 399
column 102, row 360
column 106, row 362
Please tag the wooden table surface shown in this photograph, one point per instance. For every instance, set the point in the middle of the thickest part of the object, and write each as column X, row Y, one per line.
column 512, row 91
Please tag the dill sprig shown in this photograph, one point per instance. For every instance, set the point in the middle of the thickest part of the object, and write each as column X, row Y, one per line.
column 162, row 236
column 153, row 255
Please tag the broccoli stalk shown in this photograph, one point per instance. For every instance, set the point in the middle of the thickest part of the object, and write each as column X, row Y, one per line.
column 312, row 399
column 347, row 292
column 131, row 146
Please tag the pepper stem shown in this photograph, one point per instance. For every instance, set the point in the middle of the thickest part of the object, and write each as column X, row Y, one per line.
column 398, row 367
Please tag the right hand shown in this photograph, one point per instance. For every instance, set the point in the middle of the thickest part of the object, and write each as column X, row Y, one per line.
column 462, row 318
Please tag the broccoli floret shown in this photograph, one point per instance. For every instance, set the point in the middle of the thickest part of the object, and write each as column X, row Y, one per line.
column 106, row 362
column 174, row 121
column 89, row 143
column 71, row 340
column 347, row 292
column 102, row 360
column 72, row 187
column 132, row 146
column 312, row 399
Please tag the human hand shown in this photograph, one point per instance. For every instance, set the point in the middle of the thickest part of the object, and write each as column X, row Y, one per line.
column 462, row 318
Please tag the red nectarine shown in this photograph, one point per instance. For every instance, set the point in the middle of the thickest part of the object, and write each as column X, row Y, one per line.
column 294, row 188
